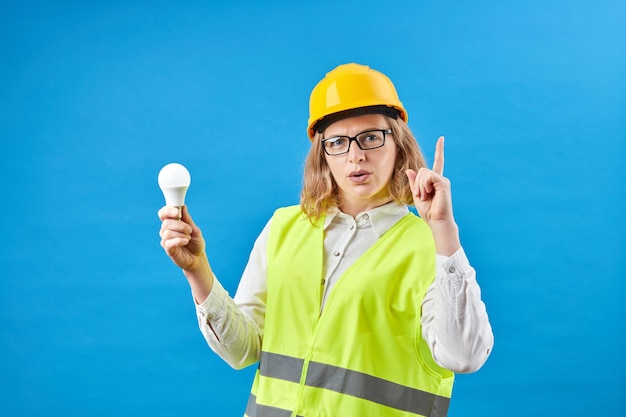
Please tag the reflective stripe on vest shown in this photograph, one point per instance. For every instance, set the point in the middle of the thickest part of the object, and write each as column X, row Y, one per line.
column 257, row 410
column 346, row 381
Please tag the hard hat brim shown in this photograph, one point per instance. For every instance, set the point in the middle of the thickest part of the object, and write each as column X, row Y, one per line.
column 326, row 121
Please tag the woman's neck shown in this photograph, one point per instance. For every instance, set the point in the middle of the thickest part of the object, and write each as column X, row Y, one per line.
column 354, row 208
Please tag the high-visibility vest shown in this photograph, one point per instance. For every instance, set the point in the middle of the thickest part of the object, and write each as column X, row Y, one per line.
column 363, row 354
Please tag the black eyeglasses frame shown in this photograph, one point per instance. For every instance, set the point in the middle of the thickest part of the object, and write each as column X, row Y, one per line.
column 354, row 138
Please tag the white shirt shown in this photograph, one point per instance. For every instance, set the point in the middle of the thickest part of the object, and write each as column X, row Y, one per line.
column 454, row 319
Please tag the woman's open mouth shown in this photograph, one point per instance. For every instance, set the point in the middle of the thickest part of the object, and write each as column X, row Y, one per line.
column 359, row 176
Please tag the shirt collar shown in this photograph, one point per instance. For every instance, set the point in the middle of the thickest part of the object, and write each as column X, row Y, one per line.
column 382, row 218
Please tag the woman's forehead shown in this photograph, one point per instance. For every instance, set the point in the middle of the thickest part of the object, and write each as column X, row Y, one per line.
column 354, row 125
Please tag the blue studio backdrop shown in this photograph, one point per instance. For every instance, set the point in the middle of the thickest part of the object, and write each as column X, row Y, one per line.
column 95, row 97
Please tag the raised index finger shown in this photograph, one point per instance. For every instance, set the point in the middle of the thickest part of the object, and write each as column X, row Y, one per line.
column 438, row 162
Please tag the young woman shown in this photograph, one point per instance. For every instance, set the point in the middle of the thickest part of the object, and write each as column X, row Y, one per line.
column 352, row 305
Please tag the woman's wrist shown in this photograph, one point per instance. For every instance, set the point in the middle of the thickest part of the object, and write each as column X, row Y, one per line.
column 200, row 278
column 446, row 236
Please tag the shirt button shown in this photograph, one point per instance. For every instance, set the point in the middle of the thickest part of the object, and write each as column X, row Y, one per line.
column 366, row 216
column 336, row 253
column 452, row 270
column 352, row 227
column 323, row 281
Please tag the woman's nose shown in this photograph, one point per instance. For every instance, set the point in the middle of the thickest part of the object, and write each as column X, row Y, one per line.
column 355, row 154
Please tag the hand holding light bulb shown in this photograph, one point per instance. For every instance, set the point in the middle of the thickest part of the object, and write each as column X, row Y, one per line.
column 183, row 241
column 174, row 180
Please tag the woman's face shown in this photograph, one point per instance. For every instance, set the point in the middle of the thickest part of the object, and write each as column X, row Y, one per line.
column 362, row 175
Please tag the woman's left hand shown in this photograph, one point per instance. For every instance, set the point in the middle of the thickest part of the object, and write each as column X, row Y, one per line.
column 433, row 201
column 431, row 190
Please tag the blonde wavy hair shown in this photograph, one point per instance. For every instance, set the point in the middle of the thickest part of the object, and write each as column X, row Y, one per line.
column 320, row 191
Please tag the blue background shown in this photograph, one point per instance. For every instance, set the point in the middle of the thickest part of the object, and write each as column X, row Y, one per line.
column 95, row 98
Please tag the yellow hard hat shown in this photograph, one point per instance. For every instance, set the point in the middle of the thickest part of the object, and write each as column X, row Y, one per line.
column 350, row 90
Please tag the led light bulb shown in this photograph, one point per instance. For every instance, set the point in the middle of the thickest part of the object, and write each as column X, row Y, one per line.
column 174, row 180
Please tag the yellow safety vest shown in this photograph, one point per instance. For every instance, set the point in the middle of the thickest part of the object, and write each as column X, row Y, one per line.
column 363, row 355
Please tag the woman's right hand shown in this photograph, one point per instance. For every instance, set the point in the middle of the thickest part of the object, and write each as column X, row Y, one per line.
column 181, row 239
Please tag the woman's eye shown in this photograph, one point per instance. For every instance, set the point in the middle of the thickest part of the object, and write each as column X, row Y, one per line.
column 371, row 138
column 336, row 143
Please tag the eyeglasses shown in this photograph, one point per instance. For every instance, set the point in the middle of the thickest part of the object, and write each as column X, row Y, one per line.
column 370, row 139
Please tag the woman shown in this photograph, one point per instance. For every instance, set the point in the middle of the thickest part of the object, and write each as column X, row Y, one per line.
column 353, row 305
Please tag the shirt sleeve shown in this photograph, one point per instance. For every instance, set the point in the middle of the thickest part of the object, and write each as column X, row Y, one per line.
column 454, row 318
column 233, row 327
